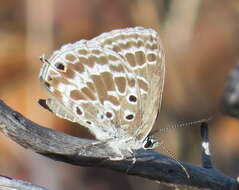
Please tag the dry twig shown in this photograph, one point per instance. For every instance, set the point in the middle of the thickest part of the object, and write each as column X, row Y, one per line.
column 73, row 150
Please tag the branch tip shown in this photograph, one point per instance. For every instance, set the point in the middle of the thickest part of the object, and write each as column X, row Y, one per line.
column 206, row 155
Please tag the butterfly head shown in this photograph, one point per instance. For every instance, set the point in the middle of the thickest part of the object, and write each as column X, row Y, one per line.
column 150, row 143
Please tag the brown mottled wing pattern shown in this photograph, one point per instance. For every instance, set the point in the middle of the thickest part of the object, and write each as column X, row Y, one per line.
column 143, row 52
column 111, row 84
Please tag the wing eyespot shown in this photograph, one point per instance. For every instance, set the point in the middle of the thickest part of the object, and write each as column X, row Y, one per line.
column 88, row 122
column 79, row 111
column 109, row 115
column 60, row 66
column 130, row 117
column 132, row 99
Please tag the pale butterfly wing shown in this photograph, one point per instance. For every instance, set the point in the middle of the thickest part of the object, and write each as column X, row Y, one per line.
column 116, row 93
column 144, row 54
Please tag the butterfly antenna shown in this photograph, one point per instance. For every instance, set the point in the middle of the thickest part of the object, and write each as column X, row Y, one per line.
column 173, row 157
column 180, row 125
column 43, row 59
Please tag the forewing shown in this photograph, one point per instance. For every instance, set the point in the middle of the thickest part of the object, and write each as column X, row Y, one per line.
column 143, row 53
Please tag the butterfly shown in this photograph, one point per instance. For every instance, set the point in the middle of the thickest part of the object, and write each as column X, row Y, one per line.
column 111, row 84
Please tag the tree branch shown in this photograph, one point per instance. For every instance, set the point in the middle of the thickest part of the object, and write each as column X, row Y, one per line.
column 206, row 153
column 78, row 151
column 13, row 184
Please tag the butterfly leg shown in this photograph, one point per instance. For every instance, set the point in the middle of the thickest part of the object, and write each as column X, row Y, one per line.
column 133, row 160
column 132, row 155
column 122, row 156
column 120, row 148
column 118, row 152
column 123, row 143
column 173, row 157
column 88, row 145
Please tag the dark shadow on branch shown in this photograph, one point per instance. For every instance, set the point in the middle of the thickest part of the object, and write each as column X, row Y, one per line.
column 73, row 150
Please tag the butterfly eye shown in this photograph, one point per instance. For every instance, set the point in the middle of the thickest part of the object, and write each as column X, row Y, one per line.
column 150, row 143
column 60, row 66
column 132, row 98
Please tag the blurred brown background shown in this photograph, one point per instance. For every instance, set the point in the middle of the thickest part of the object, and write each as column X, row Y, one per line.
column 202, row 46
